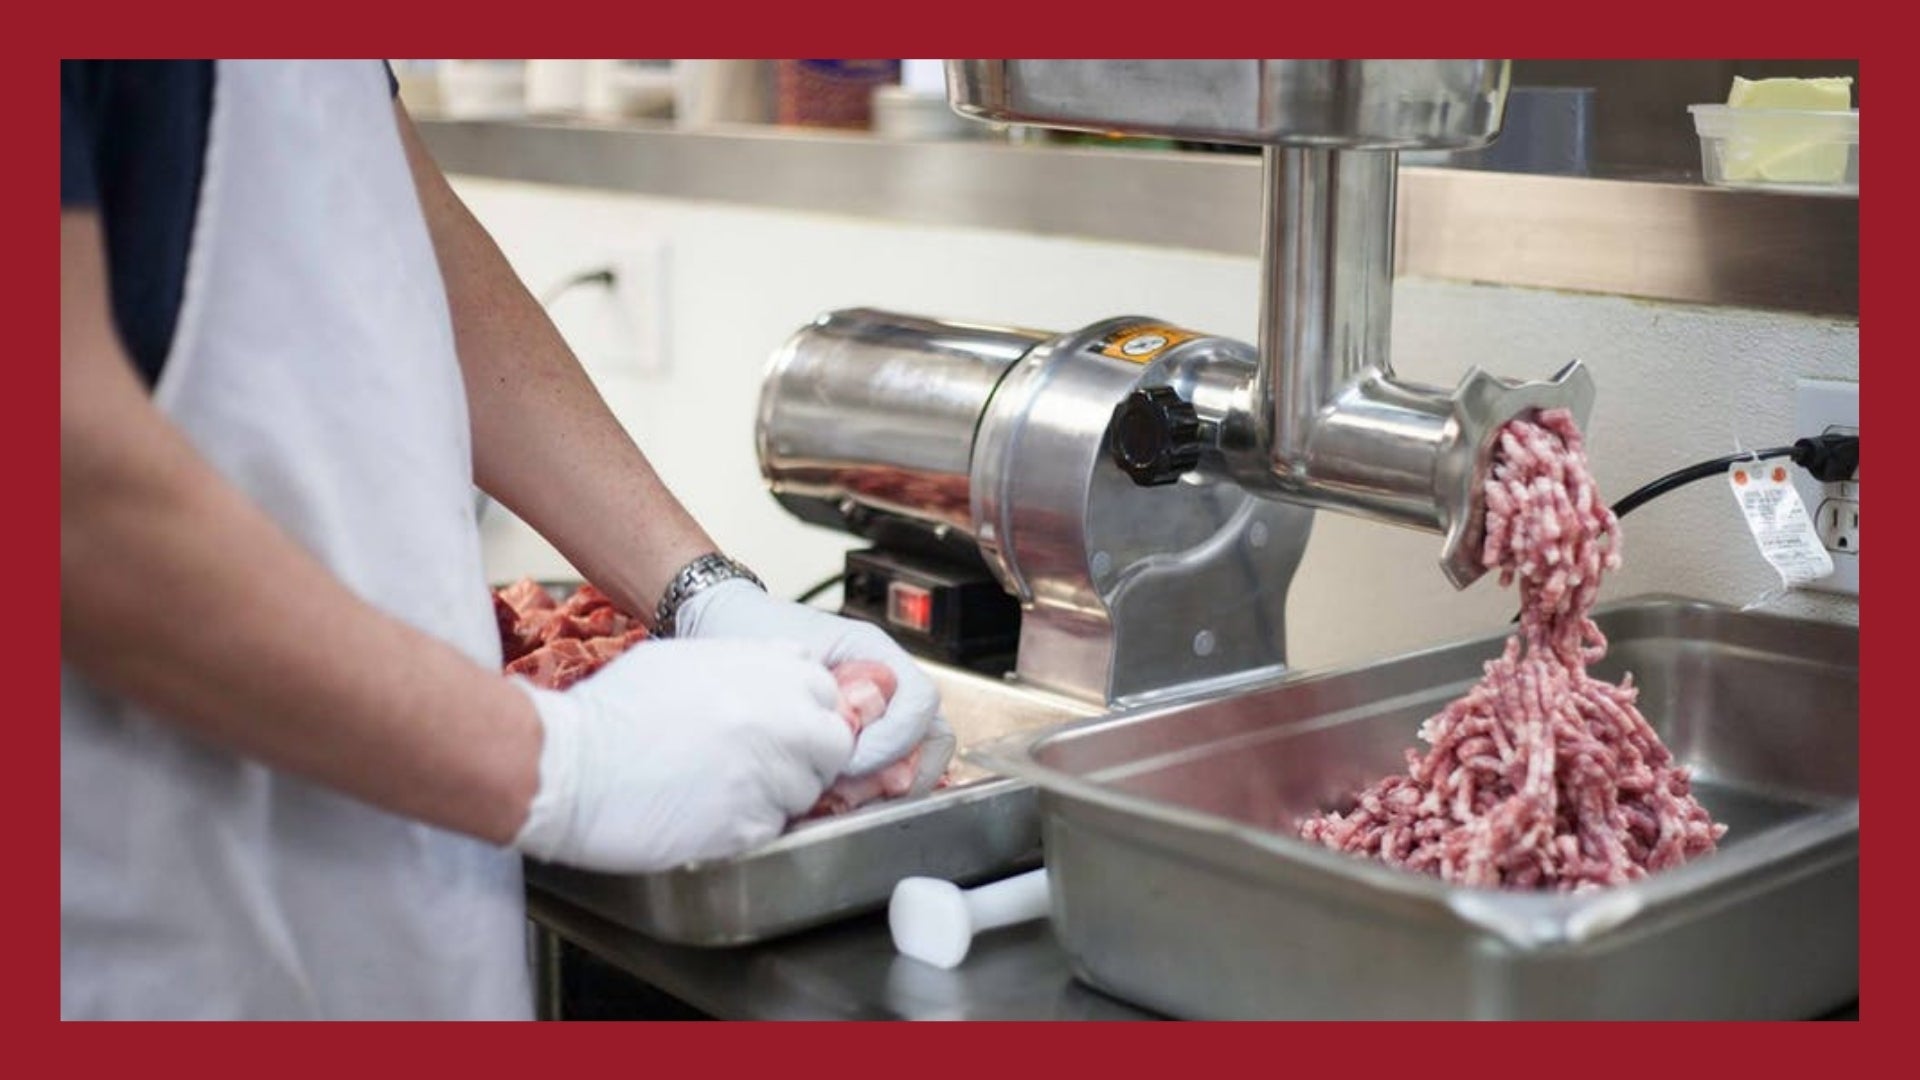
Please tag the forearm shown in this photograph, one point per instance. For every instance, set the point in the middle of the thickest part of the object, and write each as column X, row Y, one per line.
column 177, row 593
column 545, row 444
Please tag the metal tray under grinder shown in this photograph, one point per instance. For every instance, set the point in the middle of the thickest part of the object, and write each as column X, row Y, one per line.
column 1178, row 885
column 834, row 868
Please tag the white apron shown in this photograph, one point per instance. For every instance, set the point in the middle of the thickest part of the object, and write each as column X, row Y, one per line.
column 313, row 366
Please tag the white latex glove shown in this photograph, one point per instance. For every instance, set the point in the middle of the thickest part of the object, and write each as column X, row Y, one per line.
column 682, row 750
column 737, row 609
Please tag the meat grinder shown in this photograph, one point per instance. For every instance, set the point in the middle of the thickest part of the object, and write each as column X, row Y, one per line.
column 1143, row 490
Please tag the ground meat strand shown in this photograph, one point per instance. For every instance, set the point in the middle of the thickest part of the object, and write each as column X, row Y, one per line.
column 1541, row 777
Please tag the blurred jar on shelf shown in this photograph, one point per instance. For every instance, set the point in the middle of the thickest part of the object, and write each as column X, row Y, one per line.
column 482, row 89
column 599, row 89
column 830, row 93
column 713, row 92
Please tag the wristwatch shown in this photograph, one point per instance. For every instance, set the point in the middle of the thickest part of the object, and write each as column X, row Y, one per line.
column 702, row 573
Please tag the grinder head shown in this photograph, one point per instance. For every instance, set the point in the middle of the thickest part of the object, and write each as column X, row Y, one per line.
column 1482, row 405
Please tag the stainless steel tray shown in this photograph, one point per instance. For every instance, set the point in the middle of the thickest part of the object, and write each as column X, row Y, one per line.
column 1177, row 885
column 833, row 868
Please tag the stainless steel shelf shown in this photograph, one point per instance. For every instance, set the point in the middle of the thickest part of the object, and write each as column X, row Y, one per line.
column 1669, row 241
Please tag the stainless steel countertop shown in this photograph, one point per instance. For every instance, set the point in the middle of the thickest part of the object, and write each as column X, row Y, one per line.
column 849, row 971
column 1681, row 242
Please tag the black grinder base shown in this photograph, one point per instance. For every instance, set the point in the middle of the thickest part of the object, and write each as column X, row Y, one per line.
column 940, row 609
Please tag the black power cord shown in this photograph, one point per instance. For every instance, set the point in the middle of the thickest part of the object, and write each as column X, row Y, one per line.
column 821, row 587
column 603, row 277
column 1829, row 458
column 1680, row 478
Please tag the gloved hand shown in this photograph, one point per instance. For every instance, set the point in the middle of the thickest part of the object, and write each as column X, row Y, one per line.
column 737, row 609
column 682, row 750
column 865, row 687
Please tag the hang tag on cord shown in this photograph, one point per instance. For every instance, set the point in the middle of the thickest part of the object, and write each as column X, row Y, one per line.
column 1779, row 521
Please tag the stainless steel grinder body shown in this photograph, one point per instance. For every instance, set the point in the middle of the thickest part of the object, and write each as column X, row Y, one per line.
column 1116, row 477
column 937, row 435
column 1327, row 422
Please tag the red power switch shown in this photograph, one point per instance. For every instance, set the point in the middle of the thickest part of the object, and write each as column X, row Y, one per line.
column 910, row 606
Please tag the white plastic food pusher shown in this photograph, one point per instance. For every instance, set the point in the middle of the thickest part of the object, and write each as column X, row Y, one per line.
column 934, row 921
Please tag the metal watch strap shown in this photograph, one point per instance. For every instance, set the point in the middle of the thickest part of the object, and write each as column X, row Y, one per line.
column 702, row 573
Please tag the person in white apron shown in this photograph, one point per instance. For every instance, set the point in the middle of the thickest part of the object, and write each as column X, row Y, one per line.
column 293, row 781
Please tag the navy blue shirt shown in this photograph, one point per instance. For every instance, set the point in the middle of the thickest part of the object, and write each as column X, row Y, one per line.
column 133, row 144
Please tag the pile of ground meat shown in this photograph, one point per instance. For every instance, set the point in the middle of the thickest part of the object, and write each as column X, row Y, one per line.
column 1542, row 776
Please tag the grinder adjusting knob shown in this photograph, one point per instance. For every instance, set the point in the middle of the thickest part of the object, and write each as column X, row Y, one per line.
column 1155, row 436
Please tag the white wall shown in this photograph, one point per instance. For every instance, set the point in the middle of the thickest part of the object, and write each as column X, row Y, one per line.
column 1677, row 384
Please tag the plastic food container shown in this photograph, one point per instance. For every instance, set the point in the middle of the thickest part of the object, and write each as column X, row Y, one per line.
column 1813, row 152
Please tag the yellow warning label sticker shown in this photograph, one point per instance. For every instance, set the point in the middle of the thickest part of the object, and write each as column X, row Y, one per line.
column 1140, row 344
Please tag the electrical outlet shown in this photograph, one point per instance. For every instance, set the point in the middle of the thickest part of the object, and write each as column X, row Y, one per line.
column 640, row 289
column 1831, row 407
column 1838, row 523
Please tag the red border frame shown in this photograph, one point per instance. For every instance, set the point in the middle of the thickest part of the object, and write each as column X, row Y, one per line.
column 354, row 27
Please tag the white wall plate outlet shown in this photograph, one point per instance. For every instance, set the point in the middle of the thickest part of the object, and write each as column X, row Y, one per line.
column 617, row 328
column 1821, row 407
column 640, row 288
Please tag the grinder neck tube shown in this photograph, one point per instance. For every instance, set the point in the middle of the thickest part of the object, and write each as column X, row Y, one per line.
column 1333, row 426
column 1326, row 281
